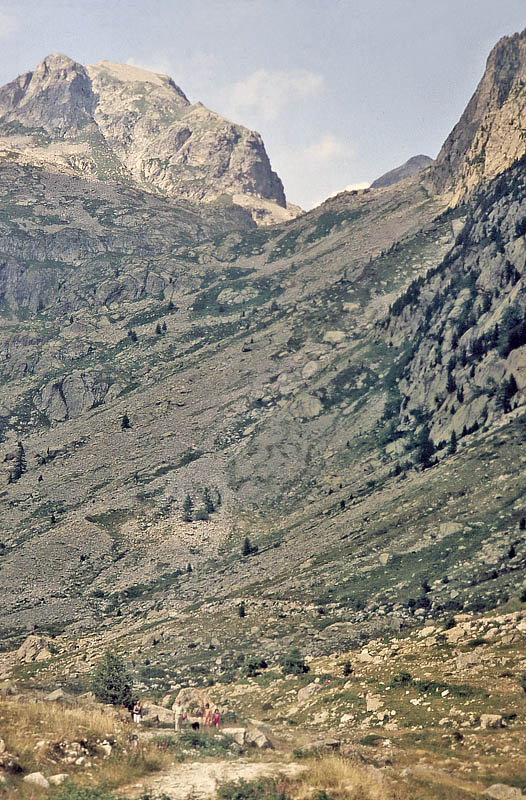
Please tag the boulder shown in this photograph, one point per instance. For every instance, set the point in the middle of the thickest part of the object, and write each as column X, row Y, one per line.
column 37, row 779
column 373, row 702
column 159, row 714
column 255, row 737
column 237, row 734
column 60, row 696
column 192, row 699
column 307, row 692
column 465, row 660
column 31, row 647
column 56, row 780
column 454, row 635
column 334, row 337
column 501, row 791
column 491, row 721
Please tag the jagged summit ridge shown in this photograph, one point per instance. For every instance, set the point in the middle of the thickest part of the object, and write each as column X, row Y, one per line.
column 491, row 133
column 121, row 122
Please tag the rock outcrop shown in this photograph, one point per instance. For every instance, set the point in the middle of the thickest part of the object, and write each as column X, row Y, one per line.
column 491, row 133
column 113, row 121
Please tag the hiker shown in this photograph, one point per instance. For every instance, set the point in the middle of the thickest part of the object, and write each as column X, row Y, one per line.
column 215, row 718
column 207, row 716
column 137, row 712
column 179, row 715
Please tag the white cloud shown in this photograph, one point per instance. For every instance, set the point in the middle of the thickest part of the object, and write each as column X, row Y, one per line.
column 328, row 148
column 161, row 66
column 8, row 25
column 351, row 188
column 268, row 92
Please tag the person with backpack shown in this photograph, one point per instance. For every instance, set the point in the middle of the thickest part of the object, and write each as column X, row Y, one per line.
column 137, row 712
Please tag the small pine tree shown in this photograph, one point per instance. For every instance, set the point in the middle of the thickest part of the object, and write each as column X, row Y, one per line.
column 164, row 328
column 248, row 549
column 452, row 443
column 347, row 669
column 189, row 568
column 512, row 552
column 125, row 422
column 20, row 463
column 132, row 335
column 242, row 610
column 188, row 508
column 522, row 524
column 111, row 682
column 426, row 447
column 207, row 501
column 158, row 329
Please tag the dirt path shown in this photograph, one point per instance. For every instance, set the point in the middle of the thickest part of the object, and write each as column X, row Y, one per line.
column 199, row 780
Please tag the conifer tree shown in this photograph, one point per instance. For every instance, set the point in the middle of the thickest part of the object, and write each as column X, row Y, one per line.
column 188, row 507
column 20, row 465
column 207, row 501
column 125, row 422
column 452, row 443
column 111, row 682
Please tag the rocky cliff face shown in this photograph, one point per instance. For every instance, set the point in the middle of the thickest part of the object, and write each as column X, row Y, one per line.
column 491, row 134
column 112, row 121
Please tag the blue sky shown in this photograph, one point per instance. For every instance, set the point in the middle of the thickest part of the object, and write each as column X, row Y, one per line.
column 341, row 90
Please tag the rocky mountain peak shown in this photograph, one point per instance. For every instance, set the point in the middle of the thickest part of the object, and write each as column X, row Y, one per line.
column 491, row 133
column 410, row 167
column 120, row 122
column 56, row 98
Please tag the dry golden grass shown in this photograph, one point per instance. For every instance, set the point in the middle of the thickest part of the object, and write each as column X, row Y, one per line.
column 24, row 723
column 341, row 780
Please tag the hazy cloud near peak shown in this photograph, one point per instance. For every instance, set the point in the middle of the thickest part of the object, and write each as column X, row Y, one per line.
column 8, row 24
column 270, row 91
column 327, row 148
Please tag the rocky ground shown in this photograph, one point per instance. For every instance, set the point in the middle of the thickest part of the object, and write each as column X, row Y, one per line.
column 441, row 712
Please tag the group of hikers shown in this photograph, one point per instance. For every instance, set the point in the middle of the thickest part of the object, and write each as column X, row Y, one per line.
column 203, row 716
